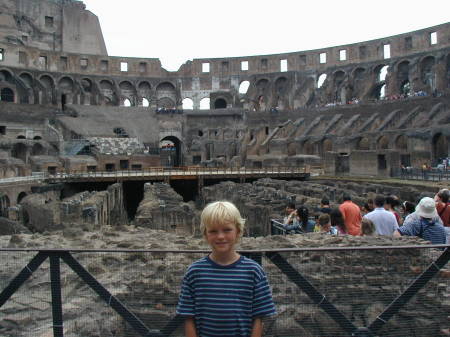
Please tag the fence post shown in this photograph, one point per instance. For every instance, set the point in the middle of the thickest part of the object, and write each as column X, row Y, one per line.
column 55, row 278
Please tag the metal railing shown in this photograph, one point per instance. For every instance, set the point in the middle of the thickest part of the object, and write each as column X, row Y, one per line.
column 345, row 291
column 432, row 174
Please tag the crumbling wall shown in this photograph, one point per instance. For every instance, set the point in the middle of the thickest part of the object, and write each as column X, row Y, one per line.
column 162, row 208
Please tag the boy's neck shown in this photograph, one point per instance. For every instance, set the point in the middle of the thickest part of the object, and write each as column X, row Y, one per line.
column 224, row 259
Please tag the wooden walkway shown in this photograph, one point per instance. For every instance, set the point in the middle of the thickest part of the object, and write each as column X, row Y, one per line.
column 182, row 173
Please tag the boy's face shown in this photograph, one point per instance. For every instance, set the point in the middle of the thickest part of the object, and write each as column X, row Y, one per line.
column 222, row 237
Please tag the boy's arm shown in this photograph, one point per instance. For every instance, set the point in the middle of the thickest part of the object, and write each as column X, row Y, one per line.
column 257, row 327
column 189, row 327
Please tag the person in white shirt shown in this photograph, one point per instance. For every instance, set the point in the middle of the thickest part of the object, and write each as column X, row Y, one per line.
column 385, row 221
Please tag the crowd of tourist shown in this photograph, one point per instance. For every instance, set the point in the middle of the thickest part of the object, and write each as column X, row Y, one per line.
column 384, row 215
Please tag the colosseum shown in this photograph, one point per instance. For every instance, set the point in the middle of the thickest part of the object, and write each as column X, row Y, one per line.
column 95, row 149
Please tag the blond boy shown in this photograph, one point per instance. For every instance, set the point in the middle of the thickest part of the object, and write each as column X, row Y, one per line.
column 224, row 293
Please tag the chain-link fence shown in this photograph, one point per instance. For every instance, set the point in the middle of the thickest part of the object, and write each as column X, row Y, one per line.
column 358, row 291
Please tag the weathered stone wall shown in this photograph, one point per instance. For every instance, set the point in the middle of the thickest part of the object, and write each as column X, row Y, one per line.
column 162, row 208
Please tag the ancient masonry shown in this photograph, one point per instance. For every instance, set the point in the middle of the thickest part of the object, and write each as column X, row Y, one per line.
column 359, row 109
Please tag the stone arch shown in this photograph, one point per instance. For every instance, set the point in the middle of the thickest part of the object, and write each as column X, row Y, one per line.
column 170, row 155
column 280, row 92
column 380, row 72
column 440, row 146
column 401, row 143
column 145, row 91
column 86, row 85
column 27, row 79
column 87, row 89
column 127, row 93
column 261, row 96
column 48, row 84
column 37, row 150
column 21, row 196
column 428, row 72
column 308, row 147
column 65, row 84
column 327, row 145
column 205, row 103
column 359, row 73
column 6, row 76
column 20, row 151
column 383, row 143
column 188, row 104
column 166, row 95
column 7, row 95
column 338, row 77
column 321, row 80
column 220, row 103
column 243, row 87
column 107, row 90
column 363, row 144
column 26, row 94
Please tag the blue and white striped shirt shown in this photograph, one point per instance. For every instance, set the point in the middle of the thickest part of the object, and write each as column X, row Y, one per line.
column 225, row 299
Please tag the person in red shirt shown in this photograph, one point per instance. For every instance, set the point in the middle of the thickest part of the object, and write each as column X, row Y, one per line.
column 443, row 206
column 352, row 215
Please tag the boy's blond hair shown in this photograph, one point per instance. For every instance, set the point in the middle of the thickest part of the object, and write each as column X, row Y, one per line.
column 220, row 212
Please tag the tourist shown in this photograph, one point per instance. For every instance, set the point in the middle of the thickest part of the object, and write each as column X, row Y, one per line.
column 301, row 222
column 424, row 223
column 408, row 208
column 351, row 214
column 389, row 205
column 290, row 214
column 442, row 206
column 224, row 293
column 367, row 227
column 325, row 206
column 337, row 221
column 385, row 221
column 324, row 222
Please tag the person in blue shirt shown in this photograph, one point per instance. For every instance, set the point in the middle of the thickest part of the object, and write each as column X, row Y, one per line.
column 301, row 222
column 424, row 223
column 224, row 293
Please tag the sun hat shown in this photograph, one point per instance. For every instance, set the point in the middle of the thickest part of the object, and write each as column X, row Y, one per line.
column 426, row 208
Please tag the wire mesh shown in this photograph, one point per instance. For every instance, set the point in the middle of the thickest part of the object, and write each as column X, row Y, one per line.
column 359, row 283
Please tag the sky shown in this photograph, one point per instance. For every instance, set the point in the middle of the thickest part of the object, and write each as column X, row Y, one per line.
column 176, row 31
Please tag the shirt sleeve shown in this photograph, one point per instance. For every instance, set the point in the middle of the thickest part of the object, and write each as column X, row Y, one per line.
column 410, row 228
column 262, row 297
column 186, row 302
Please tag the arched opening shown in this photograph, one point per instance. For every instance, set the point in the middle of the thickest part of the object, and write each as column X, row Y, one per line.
column 327, row 145
column 170, row 154
column 37, row 138
column 381, row 72
column 19, row 151
column 188, row 104
column 21, row 137
column 440, row 146
column 126, row 102
column 166, row 95
column 308, row 148
column 7, row 95
column 427, row 72
column 243, row 87
column 37, row 150
column 321, row 80
column 20, row 197
column 107, row 90
column 220, row 103
column 379, row 92
column 63, row 101
column 205, row 103
column 145, row 102
column 383, row 143
column 363, row 144
column 401, row 144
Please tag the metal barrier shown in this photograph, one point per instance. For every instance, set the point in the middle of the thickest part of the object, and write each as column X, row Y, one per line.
column 318, row 291
column 419, row 174
column 276, row 228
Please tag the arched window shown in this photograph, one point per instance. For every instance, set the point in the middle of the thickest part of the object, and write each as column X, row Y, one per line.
column 188, row 104
column 220, row 103
column 205, row 103
column 321, row 80
column 7, row 95
column 243, row 88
